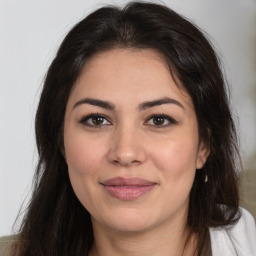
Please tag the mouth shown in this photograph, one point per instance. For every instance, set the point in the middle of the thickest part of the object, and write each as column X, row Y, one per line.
column 127, row 188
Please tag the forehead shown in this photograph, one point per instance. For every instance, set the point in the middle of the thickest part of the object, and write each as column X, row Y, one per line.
column 128, row 75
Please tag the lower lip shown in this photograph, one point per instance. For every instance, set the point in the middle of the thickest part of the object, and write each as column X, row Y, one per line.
column 128, row 192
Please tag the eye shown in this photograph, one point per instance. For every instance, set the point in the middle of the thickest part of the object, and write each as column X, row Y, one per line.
column 95, row 120
column 160, row 121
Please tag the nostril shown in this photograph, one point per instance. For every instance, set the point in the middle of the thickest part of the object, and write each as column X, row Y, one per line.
column 116, row 162
column 136, row 162
column 126, row 163
column 126, row 154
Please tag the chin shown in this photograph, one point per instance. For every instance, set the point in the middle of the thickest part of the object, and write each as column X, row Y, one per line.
column 130, row 220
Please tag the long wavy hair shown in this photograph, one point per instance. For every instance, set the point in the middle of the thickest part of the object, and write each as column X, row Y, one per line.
column 56, row 223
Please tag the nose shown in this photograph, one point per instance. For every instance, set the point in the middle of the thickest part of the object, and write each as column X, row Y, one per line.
column 127, row 148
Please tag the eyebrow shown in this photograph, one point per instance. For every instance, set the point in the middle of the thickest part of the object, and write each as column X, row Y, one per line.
column 143, row 106
column 95, row 102
column 158, row 102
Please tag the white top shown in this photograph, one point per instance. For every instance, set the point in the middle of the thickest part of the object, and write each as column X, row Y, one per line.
column 240, row 240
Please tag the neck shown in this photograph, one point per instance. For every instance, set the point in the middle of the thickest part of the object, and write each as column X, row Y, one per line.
column 169, row 239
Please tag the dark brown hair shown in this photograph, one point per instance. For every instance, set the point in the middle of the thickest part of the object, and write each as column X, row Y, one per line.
column 56, row 223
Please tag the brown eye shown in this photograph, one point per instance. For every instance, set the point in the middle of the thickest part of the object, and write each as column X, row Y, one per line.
column 95, row 120
column 158, row 120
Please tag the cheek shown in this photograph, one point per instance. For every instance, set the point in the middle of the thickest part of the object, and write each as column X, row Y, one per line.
column 83, row 157
column 176, row 164
column 177, row 156
column 82, row 154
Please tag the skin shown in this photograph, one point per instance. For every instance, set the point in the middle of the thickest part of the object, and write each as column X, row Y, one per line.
column 129, row 143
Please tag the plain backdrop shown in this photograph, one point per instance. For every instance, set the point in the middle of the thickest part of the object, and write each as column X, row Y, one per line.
column 30, row 33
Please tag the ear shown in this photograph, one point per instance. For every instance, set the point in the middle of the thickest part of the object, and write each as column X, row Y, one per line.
column 202, row 154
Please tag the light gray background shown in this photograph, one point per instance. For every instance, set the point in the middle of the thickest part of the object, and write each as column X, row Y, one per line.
column 30, row 33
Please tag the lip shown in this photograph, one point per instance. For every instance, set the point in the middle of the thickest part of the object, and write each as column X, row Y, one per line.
column 127, row 188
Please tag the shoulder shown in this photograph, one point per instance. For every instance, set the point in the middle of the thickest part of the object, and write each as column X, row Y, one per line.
column 6, row 243
column 239, row 239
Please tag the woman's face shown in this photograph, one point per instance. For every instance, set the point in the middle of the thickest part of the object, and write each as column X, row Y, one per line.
column 131, row 141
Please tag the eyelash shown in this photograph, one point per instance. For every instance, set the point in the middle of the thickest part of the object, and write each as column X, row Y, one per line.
column 84, row 120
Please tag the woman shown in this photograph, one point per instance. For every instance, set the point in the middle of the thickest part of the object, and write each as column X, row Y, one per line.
column 137, row 146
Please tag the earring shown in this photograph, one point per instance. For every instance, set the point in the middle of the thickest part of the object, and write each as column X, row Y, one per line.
column 206, row 178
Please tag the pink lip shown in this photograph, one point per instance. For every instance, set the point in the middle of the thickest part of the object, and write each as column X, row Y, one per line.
column 128, row 188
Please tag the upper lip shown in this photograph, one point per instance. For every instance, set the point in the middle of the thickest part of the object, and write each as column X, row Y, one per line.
column 132, row 181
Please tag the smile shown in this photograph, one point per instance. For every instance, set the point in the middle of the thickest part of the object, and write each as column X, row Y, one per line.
column 127, row 188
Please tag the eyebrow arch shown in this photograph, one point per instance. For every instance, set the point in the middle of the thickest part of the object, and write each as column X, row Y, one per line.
column 142, row 106
column 158, row 102
column 95, row 102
